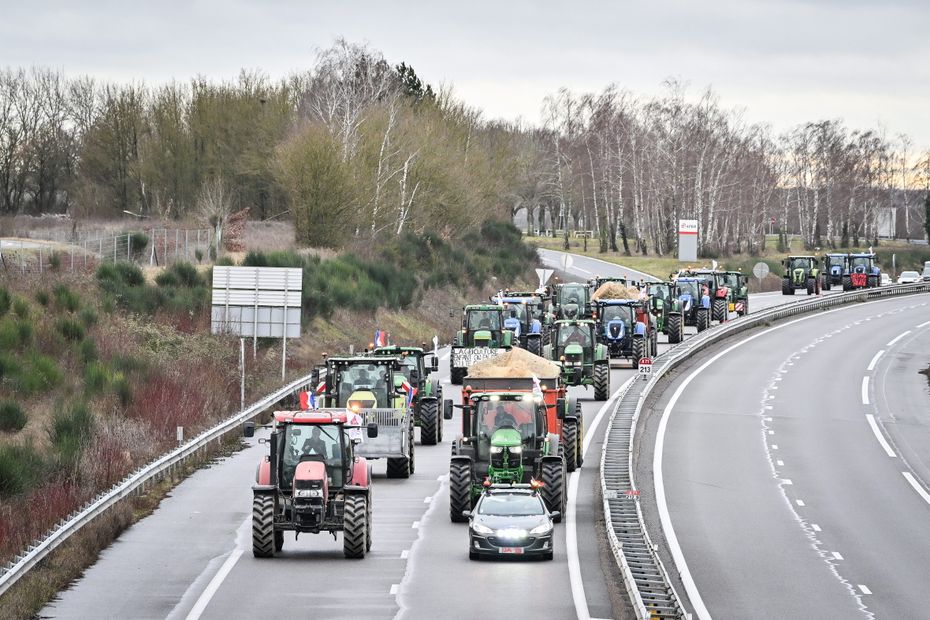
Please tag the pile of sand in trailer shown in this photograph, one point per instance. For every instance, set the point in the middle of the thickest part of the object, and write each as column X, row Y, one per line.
column 615, row 290
column 515, row 363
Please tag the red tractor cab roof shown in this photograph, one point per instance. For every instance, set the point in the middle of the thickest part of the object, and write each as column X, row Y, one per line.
column 312, row 416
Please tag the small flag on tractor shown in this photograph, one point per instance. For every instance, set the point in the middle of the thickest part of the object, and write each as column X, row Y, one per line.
column 410, row 390
column 305, row 400
column 380, row 338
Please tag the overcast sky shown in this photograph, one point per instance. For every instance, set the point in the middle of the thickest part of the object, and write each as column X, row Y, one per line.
column 866, row 62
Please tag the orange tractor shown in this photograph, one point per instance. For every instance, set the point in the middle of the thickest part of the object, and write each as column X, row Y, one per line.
column 312, row 481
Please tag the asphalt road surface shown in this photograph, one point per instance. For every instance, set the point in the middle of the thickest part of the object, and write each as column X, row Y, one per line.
column 795, row 467
column 192, row 557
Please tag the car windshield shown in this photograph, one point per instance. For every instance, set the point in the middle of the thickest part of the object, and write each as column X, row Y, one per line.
column 511, row 505
column 484, row 320
column 364, row 382
column 574, row 334
column 517, row 414
column 312, row 442
column 908, row 274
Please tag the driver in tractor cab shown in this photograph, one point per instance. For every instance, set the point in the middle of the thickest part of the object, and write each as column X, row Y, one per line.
column 503, row 418
column 315, row 443
column 513, row 323
column 574, row 335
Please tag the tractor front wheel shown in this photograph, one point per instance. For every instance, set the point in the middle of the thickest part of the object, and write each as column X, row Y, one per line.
column 263, row 535
column 601, row 380
column 811, row 286
column 638, row 350
column 703, row 319
column 579, row 415
column 355, row 526
column 459, row 490
column 430, row 423
column 674, row 328
column 570, row 444
column 786, row 287
column 553, row 490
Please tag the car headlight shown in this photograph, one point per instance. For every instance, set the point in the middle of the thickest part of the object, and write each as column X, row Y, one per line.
column 545, row 528
column 496, row 449
column 516, row 450
column 478, row 528
column 308, row 493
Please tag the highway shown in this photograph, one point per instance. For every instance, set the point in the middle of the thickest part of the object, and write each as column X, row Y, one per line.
column 795, row 469
column 192, row 557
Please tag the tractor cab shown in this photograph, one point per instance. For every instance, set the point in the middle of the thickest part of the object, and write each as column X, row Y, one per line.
column 483, row 326
column 572, row 300
column 834, row 266
column 737, row 291
column 665, row 305
column 413, row 361
column 574, row 341
column 525, row 325
column 427, row 392
column 597, row 281
column 695, row 301
column 861, row 271
column 506, row 425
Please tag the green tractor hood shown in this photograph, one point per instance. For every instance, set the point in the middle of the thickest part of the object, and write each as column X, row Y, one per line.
column 482, row 338
column 799, row 276
column 506, row 438
column 574, row 349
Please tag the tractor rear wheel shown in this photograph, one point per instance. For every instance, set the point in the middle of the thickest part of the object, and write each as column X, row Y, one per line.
column 354, row 526
column 639, row 349
column 368, row 511
column 847, row 283
column 398, row 467
column 570, row 444
column 703, row 319
column 720, row 310
column 811, row 286
column 872, row 282
column 534, row 345
column 278, row 540
column 429, row 423
column 786, row 287
column 459, row 490
column 263, row 538
column 674, row 328
column 553, row 490
column 601, row 380
column 579, row 415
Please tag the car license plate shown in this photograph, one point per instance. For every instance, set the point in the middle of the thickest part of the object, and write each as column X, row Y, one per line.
column 517, row 550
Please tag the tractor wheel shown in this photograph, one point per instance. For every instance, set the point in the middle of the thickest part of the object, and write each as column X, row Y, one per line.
column 570, row 444
column 579, row 415
column 553, row 490
column 872, row 282
column 811, row 286
column 278, row 541
column 639, row 350
column 263, row 539
column 368, row 511
column 399, row 467
column 720, row 310
column 786, row 288
column 674, row 328
column 459, row 490
column 430, row 423
column 534, row 346
column 601, row 380
column 703, row 319
column 825, row 285
column 456, row 375
column 745, row 308
column 847, row 283
column 354, row 526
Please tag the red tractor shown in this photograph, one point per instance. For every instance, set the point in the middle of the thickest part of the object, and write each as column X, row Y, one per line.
column 311, row 481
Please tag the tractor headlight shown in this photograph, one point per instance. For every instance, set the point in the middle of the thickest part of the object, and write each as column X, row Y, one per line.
column 497, row 449
column 308, row 493
column 516, row 450
column 481, row 529
column 545, row 528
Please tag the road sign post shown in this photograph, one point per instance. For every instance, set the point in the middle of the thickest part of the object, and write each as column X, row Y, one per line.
column 645, row 367
column 687, row 240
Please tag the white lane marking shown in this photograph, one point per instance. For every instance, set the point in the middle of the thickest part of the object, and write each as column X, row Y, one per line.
column 815, row 527
column 913, row 482
column 427, row 500
column 780, row 463
column 394, row 588
column 416, row 525
column 201, row 605
column 837, row 555
column 878, row 435
column 774, row 446
column 800, row 502
column 771, row 432
column 898, row 337
column 874, row 361
column 865, row 390
column 571, row 526
column 700, row 609
column 923, row 324
column 864, row 589
column 786, row 481
column 582, row 270
column 404, row 554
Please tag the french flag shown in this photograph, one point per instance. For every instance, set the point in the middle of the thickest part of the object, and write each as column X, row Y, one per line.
column 308, row 400
column 411, row 391
column 380, row 338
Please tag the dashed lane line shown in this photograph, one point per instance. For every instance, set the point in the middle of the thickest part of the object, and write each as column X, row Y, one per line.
column 873, row 424
column 874, row 361
column 898, row 337
column 865, row 390
column 911, row 480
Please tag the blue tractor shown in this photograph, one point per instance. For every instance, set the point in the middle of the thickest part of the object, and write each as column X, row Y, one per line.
column 694, row 295
column 519, row 318
column 861, row 272
column 626, row 328
column 833, row 268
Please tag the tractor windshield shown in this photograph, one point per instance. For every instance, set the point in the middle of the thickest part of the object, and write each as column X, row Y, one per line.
column 659, row 291
column 573, row 294
column 366, row 383
column 520, row 309
column 518, row 414
column 484, row 320
column 312, row 442
column 860, row 261
column 688, row 287
column 616, row 313
column 836, row 261
column 574, row 334
column 801, row 263
column 730, row 280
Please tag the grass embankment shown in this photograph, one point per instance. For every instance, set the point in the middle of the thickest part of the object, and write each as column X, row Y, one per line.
column 908, row 256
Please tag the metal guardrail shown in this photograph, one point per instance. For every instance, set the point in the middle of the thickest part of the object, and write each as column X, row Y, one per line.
column 134, row 481
column 644, row 575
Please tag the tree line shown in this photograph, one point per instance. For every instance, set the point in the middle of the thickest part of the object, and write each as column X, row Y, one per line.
column 357, row 147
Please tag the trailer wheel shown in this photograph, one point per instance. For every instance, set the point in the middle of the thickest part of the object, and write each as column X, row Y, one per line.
column 674, row 328
column 398, row 467
column 430, row 424
column 720, row 310
column 601, row 380
column 570, row 444
column 553, row 490
column 703, row 319
column 263, row 538
column 354, row 526
column 459, row 490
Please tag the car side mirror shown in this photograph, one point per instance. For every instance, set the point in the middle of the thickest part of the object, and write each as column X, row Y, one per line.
column 466, row 514
column 372, row 430
column 447, row 409
column 555, row 514
column 248, row 429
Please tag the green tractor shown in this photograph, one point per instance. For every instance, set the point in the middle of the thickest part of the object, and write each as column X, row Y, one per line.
column 584, row 360
column 801, row 272
column 737, row 287
column 482, row 336
column 427, row 393
column 666, row 306
column 572, row 300
column 507, row 436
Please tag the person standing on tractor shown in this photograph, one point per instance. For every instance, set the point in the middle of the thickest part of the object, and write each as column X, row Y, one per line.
column 513, row 323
